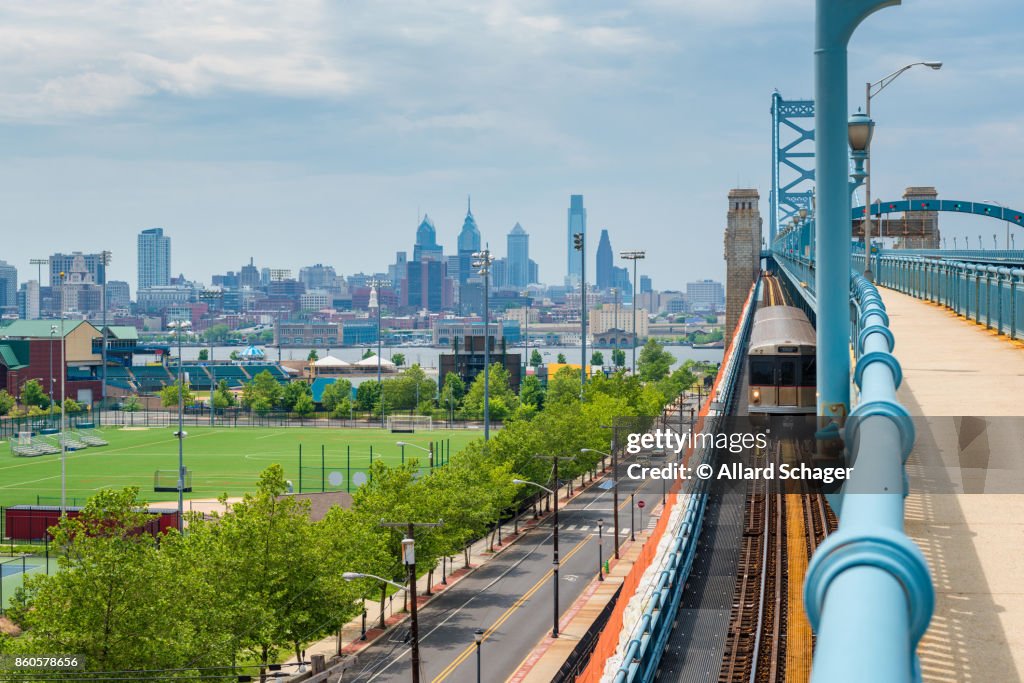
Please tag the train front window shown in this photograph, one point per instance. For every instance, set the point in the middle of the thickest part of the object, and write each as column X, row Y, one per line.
column 787, row 373
column 762, row 372
column 808, row 372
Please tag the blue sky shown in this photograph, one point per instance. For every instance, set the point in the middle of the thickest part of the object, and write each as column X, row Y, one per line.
column 302, row 131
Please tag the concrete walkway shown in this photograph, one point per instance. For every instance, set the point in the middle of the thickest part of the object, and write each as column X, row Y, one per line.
column 954, row 373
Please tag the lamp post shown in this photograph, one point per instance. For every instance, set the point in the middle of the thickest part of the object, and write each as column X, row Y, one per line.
column 870, row 91
column 615, row 490
column 180, row 327
column 375, row 303
column 482, row 261
column 600, row 550
column 63, row 433
column 554, row 524
column 478, row 637
column 105, row 260
column 835, row 23
column 579, row 241
column 1002, row 206
column 633, row 256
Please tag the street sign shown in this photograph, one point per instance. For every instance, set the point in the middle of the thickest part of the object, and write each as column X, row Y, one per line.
column 640, row 504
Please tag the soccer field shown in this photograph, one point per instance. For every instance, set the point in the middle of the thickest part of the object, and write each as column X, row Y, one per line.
column 221, row 460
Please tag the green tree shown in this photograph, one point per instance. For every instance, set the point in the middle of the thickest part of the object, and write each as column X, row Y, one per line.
column 654, row 362
column 263, row 389
column 7, row 402
column 452, row 392
column 398, row 359
column 32, row 394
column 561, row 358
column 618, row 358
column 304, row 406
column 169, row 395
column 536, row 360
column 234, row 356
column 131, row 404
column 204, row 354
column 368, row 395
column 597, row 359
column 336, row 393
column 216, row 333
column 502, row 399
column 313, row 355
column 531, row 392
column 409, row 389
column 223, row 397
column 71, row 406
column 291, row 394
column 563, row 387
column 368, row 353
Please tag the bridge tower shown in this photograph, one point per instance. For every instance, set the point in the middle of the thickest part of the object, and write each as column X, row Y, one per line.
column 742, row 252
column 927, row 222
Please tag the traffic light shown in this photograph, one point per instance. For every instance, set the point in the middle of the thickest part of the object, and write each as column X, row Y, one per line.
column 577, row 241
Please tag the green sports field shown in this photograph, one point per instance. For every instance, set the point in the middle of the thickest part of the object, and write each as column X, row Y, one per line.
column 222, row 460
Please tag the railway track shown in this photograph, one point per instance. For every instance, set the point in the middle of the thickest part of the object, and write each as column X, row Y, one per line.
column 769, row 639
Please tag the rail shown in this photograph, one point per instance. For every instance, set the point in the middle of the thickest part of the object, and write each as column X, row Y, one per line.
column 649, row 634
column 868, row 588
column 989, row 294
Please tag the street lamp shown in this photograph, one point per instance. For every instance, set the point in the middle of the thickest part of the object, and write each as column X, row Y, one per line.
column 478, row 637
column 180, row 327
column 579, row 240
column 554, row 525
column 429, row 451
column 600, row 550
column 615, row 490
column 1002, row 206
column 375, row 303
column 633, row 256
column 63, row 397
column 870, row 91
column 482, row 261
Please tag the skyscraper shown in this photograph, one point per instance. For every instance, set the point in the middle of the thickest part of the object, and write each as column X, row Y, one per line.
column 469, row 243
column 577, row 223
column 603, row 277
column 518, row 257
column 62, row 263
column 8, row 287
column 154, row 258
column 426, row 242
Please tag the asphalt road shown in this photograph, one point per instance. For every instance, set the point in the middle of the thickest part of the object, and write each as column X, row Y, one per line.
column 509, row 597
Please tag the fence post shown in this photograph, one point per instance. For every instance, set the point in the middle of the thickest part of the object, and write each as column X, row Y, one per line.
column 348, row 476
column 300, row 468
column 323, row 470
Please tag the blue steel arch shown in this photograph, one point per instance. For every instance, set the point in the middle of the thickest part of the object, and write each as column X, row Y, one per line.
column 950, row 205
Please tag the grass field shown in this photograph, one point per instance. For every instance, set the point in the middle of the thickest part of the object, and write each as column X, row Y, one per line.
column 222, row 460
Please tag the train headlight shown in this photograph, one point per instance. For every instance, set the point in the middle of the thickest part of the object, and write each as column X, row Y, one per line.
column 757, row 395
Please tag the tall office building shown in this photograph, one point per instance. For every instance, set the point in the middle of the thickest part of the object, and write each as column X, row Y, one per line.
column 518, row 257
column 426, row 285
column 577, row 223
column 469, row 243
column 64, row 263
column 249, row 276
column 8, row 287
column 645, row 284
column 603, row 276
column 426, row 242
column 318, row 276
column 154, row 259
column 29, row 301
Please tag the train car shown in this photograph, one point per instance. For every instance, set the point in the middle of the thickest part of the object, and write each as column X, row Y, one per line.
column 781, row 362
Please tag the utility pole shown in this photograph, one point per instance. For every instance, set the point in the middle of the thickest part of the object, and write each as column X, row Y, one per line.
column 409, row 559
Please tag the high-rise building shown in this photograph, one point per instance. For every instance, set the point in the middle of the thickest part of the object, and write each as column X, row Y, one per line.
column 603, row 276
column 534, row 272
column 8, row 287
column 63, row 263
column 645, row 284
column 29, row 301
column 318, row 276
column 518, row 257
column 469, row 243
column 426, row 242
column 426, row 285
column 705, row 295
column 249, row 276
column 118, row 294
column 577, row 223
column 154, row 259
column 620, row 281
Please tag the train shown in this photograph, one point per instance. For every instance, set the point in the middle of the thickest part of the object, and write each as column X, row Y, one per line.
column 781, row 362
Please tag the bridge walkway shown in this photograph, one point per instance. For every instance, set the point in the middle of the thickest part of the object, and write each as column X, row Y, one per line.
column 955, row 375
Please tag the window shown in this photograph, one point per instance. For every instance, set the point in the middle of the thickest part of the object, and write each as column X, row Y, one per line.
column 762, row 372
column 808, row 371
column 787, row 373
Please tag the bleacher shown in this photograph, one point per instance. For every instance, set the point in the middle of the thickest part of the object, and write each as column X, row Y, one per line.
column 232, row 374
column 277, row 371
column 198, row 376
column 120, row 377
column 152, row 378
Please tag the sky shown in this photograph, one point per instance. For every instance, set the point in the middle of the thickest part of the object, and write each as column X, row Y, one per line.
column 306, row 132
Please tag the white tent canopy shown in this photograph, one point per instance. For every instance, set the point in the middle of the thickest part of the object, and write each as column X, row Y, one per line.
column 372, row 362
column 331, row 362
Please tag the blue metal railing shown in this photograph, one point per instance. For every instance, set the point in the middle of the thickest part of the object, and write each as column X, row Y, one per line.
column 651, row 631
column 990, row 295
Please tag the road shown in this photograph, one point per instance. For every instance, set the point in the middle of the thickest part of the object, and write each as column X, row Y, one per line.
column 509, row 597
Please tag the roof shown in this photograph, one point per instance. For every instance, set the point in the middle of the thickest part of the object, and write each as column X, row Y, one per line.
column 774, row 325
column 252, row 352
column 40, row 329
column 372, row 362
column 331, row 362
column 318, row 386
column 9, row 357
column 122, row 332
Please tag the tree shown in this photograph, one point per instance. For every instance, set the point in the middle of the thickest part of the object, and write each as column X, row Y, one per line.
column 6, row 402
column 561, row 358
column 597, row 358
column 563, row 387
column 264, row 390
column 398, row 359
column 367, row 395
column 409, row 389
column 169, row 395
column 72, row 406
column 313, row 355
column 536, row 360
column 336, row 393
column 216, row 333
column 531, row 392
column 304, row 406
column 368, row 353
column 293, row 391
column 618, row 358
column 204, row 354
column 502, row 399
column 223, row 397
column 452, row 391
column 654, row 362
column 234, row 356
column 131, row 404
column 32, row 394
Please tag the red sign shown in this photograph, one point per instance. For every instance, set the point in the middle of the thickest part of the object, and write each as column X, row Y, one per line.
column 640, row 504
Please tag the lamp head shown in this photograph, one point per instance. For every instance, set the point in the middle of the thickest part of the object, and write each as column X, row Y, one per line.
column 933, row 65
column 860, row 129
column 518, row 481
column 352, row 576
column 478, row 635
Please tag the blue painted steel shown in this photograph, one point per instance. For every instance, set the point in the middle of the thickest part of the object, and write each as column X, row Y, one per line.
column 651, row 632
column 950, row 205
column 785, row 201
column 868, row 589
column 835, row 22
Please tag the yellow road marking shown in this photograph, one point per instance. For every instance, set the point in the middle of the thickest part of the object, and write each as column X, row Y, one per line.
column 447, row 671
